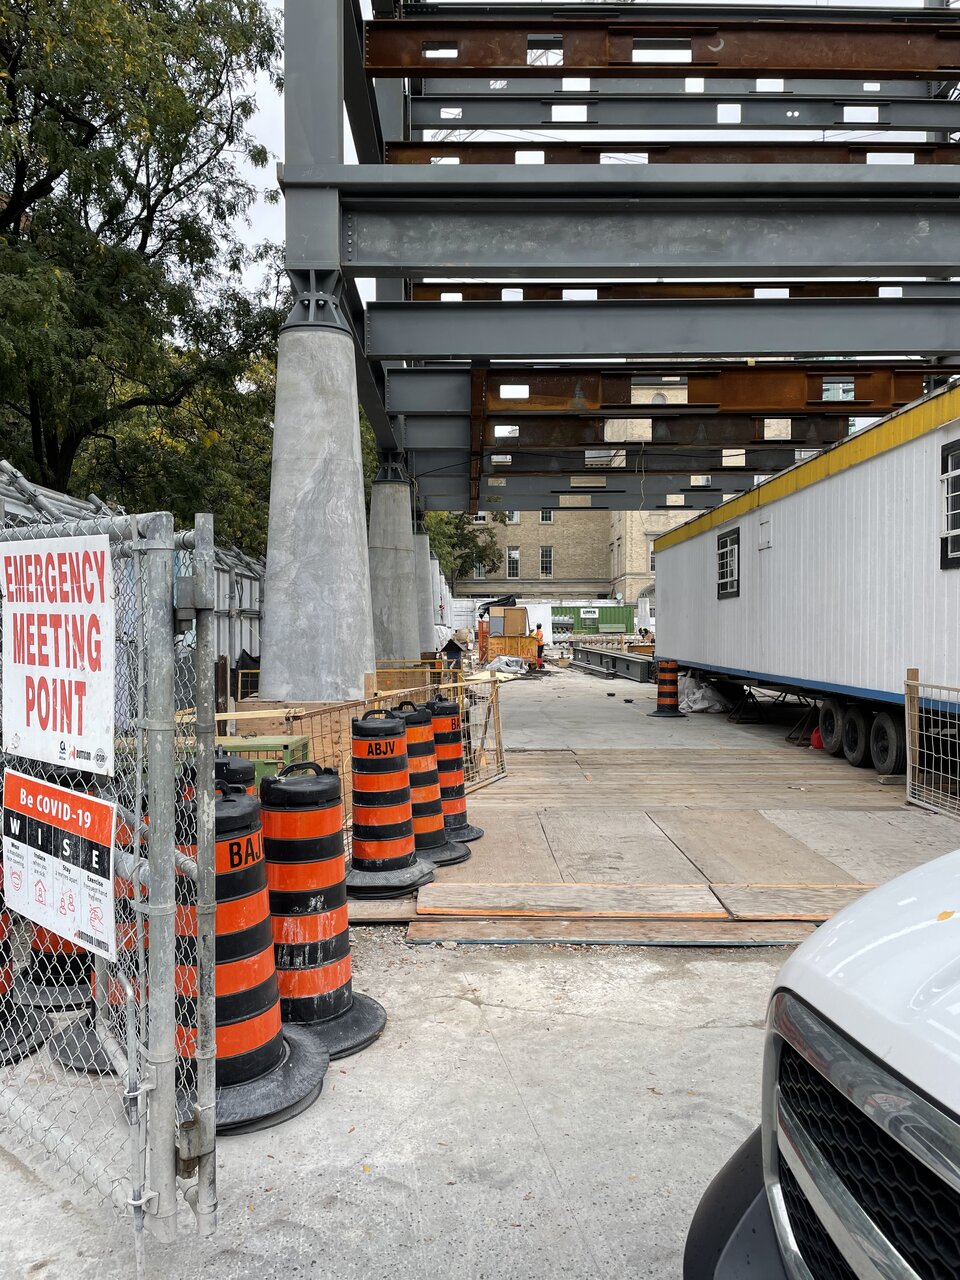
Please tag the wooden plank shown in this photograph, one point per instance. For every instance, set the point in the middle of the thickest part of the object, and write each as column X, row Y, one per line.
column 382, row 911
column 513, row 848
column 742, row 847
column 872, row 845
column 622, row 901
column 614, row 846
column 630, row 933
column 787, row 901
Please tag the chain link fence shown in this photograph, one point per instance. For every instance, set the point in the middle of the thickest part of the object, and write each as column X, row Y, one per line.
column 94, row 1077
column 933, row 744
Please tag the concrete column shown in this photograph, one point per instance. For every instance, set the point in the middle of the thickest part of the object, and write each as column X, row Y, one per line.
column 318, row 625
column 421, row 551
column 435, row 580
column 393, row 580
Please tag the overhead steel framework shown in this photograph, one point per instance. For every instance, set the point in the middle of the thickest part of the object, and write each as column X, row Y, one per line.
column 624, row 256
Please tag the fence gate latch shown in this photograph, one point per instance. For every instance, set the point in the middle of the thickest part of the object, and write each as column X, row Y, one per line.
column 189, row 1148
column 193, row 592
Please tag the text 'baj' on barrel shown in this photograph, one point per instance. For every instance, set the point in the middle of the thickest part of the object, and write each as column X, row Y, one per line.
column 265, row 1072
column 429, row 832
column 302, row 812
column 384, row 859
column 448, row 745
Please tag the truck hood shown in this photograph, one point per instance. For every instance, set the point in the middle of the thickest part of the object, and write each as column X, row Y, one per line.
column 886, row 972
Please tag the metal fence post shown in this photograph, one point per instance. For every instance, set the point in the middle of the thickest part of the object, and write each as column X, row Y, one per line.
column 911, row 710
column 158, row 545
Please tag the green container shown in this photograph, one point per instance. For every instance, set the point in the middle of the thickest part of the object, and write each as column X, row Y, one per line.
column 269, row 754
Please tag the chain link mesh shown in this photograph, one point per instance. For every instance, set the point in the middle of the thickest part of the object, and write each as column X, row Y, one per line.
column 933, row 746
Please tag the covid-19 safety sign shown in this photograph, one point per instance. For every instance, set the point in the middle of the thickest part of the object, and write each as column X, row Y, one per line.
column 59, row 624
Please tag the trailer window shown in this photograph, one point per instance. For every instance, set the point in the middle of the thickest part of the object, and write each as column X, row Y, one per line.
column 950, row 480
column 728, row 564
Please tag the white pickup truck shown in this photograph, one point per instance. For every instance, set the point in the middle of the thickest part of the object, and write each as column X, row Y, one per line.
column 854, row 1173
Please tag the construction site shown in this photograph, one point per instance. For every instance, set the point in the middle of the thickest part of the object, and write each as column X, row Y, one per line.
column 594, row 906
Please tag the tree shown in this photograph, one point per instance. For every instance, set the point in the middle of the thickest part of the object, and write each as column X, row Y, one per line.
column 459, row 544
column 121, row 128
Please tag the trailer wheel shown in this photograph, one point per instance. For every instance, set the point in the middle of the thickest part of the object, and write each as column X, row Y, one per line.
column 856, row 736
column 888, row 743
column 831, row 726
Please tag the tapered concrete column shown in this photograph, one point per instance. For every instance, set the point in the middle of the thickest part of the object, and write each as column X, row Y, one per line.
column 437, row 593
column 421, row 552
column 317, row 624
column 393, row 579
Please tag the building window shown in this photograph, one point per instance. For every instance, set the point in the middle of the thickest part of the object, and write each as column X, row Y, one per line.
column 950, row 480
column 479, row 569
column 513, row 562
column 653, row 555
column 480, row 518
column 546, row 515
column 546, row 562
column 728, row 564
column 513, row 517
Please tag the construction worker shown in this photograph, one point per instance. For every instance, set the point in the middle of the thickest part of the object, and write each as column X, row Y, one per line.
column 539, row 634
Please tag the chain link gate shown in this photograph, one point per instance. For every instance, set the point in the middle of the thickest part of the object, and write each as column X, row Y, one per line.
column 108, row 1067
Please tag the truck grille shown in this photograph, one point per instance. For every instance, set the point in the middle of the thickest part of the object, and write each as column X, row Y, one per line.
column 816, row 1248
column 916, row 1211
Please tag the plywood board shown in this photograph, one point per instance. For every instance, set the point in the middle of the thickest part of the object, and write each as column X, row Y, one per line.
column 632, row 933
column 741, row 846
column 614, row 846
column 384, row 911
column 787, row 901
column 513, row 847
column 869, row 844
column 623, row 901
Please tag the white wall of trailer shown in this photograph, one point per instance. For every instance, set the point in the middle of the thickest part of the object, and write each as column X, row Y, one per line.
column 848, row 595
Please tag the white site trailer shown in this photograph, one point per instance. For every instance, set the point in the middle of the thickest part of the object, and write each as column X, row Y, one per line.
column 831, row 579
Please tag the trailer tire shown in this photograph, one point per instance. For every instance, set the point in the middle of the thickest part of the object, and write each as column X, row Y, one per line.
column 831, row 726
column 888, row 743
column 856, row 736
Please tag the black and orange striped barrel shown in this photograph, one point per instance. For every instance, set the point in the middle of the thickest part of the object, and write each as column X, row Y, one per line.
column 249, row 1029
column 56, row 977
column 382, row 813
column 448, row 737
column 236, row 771
column 428, row 830
column 6, row 954
column 668, row 689
column 302, row 811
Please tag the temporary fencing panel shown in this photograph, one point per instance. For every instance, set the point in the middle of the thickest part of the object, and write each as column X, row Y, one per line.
column 88, row 1068
column 933, row 744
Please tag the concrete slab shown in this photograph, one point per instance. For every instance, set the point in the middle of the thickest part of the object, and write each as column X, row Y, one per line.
column 530, row 1114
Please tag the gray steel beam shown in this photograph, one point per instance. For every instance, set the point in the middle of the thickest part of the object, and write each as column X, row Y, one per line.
column 636, row 111
column 648, row 459
column 573, row 330
column 358, row 89
column 638, row 86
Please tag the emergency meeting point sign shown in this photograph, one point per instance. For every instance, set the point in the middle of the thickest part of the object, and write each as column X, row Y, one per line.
column 59, row 627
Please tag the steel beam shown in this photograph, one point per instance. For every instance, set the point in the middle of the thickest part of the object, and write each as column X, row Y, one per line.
column 704, row 152
column 358, row 91
column 530, row 291
column 627, row 10
column 785, row 45
column 563, row 87
column 656, row 112
column 768, row 326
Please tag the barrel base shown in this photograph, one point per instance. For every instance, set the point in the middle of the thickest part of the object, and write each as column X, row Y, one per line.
column 447, row 854
column 282, row 1093
column 388, row 884
column 27, row 1031
column 464, row 834
column 79, row 1047
column 351, row 1031
column 60, row 998
column 666, row 714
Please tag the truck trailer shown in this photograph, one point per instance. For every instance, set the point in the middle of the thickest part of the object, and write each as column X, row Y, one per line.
column 831, row 580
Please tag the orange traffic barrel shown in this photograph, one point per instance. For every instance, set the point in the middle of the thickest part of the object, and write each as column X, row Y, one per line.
column 23, row 1028
column 384, row 860
column 235, row 771
column 429, row 831
column 668, row 689
column 56, row 976
column 265, row 1072
column 448, row 739
column 302, row 811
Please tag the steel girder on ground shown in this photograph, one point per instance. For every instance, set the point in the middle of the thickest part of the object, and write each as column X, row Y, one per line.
column 773, row 389
column 788, row 44
column 928, row 325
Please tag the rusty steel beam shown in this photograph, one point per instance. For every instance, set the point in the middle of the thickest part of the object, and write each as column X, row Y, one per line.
column 727, row 431
column 469, row 291
column 746, row 389
column 670, row 152
column 770, row 46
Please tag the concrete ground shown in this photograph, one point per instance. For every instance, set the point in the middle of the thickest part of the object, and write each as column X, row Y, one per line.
column 531, row 1112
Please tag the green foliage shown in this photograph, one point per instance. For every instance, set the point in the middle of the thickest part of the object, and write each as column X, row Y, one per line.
column 459, row 544
column 368, row 452
column 123, row 323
